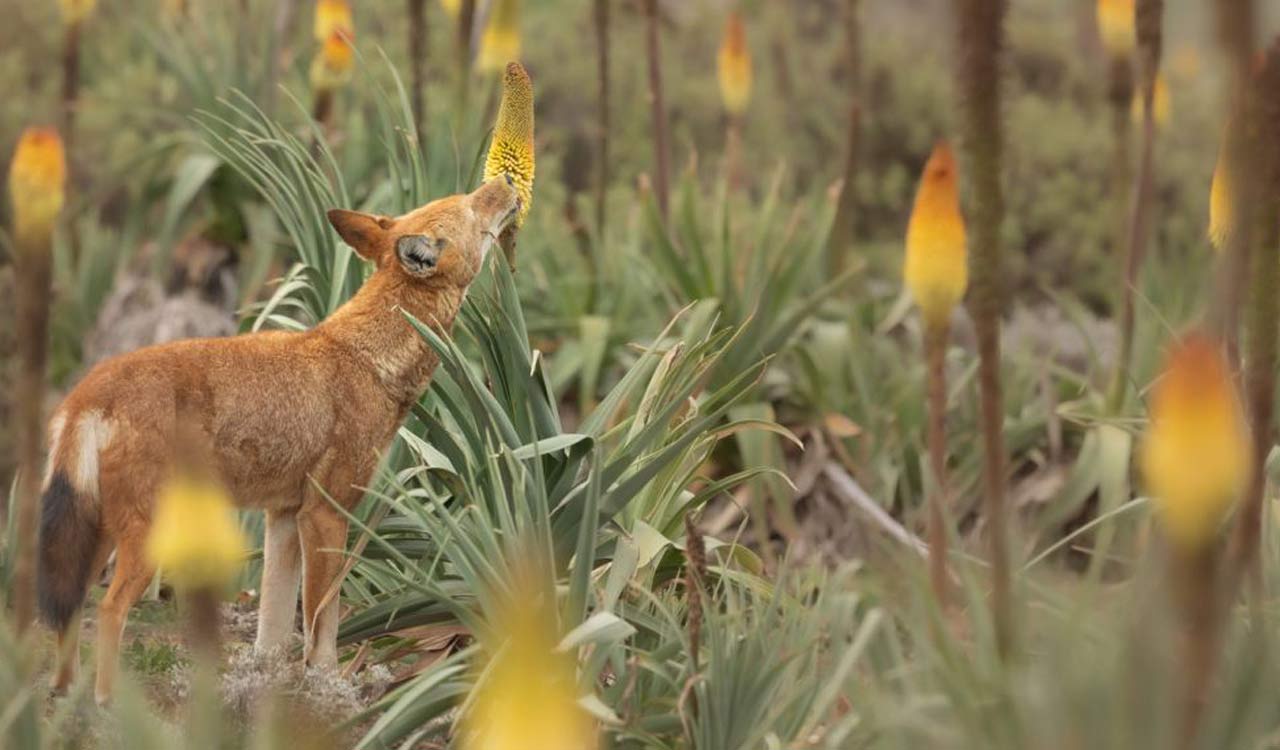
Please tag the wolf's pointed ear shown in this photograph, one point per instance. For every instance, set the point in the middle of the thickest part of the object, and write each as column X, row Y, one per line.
column 363, row 232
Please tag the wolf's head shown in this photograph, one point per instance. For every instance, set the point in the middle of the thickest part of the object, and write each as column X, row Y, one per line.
column 439, row 245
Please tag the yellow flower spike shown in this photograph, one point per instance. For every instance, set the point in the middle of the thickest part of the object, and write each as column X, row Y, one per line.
column 1116, row 26
column 527, row 696
column 511, row 151
column 333, row 16
column 331, row 68
column 734, row 66
column 76, row 11
column 500, row 43
column 1221, row 205
column 936, row 270
column 451, row 8
column 1161, row 109
column 37, row 184
column 1196, row 457
column 194, row 537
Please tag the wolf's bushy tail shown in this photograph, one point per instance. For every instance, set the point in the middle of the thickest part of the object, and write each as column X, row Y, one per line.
column 70, row 530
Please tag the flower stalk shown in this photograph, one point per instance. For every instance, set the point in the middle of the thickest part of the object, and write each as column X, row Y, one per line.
column 419, row 34
column 735, row 78
column 37, row 187
column 980, row 42
column 1261, row 175
column 841, row 240
column 658, row 107
column 1196, row 460
column 600, row 17
column 935, row 272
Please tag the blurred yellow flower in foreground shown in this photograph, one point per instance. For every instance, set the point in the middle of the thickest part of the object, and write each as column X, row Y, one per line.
column 528, row 698
column 1161, row 109
column 1195, row 458
column 500, row 43
column 333, row 16
column 194, row 537
column 75, row 11
column 512, row 151
column 734, row 66
column 1116, row 26
column 936, row 270
column 37, row 184
column 331, row 68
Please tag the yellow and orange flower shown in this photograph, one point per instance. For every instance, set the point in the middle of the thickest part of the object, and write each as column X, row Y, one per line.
column 500, row 43
column 76, row 11
column 194, row 537
column 512, row 150
column 527, row 696
column 1221, row 204
column 734, row 66
column 1196, row 455
column 331, row 68
column 1116, row 26
column 37, row 185
column 333, row 16
column 936, row 270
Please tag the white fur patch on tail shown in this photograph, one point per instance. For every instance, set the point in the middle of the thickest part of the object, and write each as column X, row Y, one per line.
column 56, row 426
column 93, row 433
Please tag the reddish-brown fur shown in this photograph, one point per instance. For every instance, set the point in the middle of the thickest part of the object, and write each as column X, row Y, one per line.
column 286, row 417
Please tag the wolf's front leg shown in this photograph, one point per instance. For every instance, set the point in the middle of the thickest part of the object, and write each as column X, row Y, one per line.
column 281, row 566
column 323, row 531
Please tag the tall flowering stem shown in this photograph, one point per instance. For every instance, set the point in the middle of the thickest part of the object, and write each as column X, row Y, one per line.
column 979, row 44
column 936, row 274
column 419, row 34
column 735, row 78
column 1148, row 19
column 37, row 187
column 600, row 17
column 658, row 107
column 1116, row 29
column 511, row 153
column 465, row 17
column 1196, row 461
column 842, row 228
column 1262, row 171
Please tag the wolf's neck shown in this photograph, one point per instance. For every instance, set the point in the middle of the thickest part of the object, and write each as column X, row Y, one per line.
column 372, row 324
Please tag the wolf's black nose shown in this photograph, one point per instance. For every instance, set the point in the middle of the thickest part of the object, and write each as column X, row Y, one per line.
column 510, row 180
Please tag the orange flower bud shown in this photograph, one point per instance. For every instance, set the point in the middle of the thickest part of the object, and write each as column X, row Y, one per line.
column 1196, row 455
column 500, row 43
column 1116, row 26
column 76, row 11
column 37, row 184
column 936, row 269
column 1221, row 204
column 332, row 67
column 735, row 66
column 333, row 16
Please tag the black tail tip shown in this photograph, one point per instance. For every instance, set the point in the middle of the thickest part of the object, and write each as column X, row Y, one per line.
column 68, row 543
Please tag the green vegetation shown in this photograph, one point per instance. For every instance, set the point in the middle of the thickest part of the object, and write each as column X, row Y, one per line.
column 696, row 452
